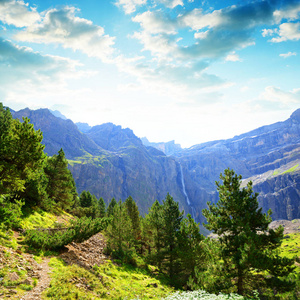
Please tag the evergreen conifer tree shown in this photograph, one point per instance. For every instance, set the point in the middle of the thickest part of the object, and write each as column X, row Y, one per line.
column 134, row 215
column 110, row 208
column 61, row 186
column 171, row 219
column 247, row 243
column 102, row 208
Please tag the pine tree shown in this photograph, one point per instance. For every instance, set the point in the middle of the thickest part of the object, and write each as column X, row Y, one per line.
column 190, row 248
column 134, row 215
column 89, row 205
column 61, row 186
column 119, row 232
column 247, row 244
column 102, row 208
column 21, row 153
column 172, row 219
column 153, row 225
column 110, row 208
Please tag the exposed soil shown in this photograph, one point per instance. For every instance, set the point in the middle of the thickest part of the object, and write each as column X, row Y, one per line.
column 86, row 254
column 43, row 283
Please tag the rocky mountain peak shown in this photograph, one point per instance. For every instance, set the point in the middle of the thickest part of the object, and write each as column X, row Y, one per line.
column 295, row 116
column 113, row 137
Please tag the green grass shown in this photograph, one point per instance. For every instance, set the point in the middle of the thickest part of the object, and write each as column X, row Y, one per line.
column 290, row 247
column 38, row 219
column 291, row 169
column 107, row 281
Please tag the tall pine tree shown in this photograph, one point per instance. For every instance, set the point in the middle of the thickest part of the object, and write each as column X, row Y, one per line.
column 247, row 243
column 61, row 186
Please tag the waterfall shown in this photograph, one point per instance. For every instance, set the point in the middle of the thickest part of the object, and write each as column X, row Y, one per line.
column 185, row 194
column 183, row 187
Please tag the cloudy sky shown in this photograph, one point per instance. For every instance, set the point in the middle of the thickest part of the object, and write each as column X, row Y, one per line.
column 185, row 70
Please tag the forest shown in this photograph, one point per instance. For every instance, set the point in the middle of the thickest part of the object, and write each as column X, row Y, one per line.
column 244, row 258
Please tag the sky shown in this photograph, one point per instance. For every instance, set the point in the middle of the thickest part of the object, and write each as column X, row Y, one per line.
column 185, row 70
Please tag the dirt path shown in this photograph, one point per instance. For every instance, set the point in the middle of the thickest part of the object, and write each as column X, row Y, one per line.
column 43, row 281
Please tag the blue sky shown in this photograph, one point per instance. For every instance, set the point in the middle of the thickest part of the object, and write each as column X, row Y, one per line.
column 184, row 70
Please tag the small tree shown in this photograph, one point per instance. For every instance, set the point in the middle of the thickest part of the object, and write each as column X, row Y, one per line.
column 102, row 208
column 61, row 186
column 110, row 208
column 247, row 243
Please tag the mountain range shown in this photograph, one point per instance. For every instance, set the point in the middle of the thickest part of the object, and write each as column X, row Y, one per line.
column 110, row 161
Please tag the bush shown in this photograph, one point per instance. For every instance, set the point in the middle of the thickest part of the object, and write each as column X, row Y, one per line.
column 10, row 213
column 81, row 230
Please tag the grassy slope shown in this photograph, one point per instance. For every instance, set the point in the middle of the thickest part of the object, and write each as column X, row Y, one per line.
column 107, row 281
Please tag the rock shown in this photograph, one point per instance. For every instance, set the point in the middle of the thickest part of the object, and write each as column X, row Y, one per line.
column 28, row 281
column 13, row 276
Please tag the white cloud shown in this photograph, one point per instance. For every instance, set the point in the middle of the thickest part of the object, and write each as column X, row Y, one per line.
column 201, row 35
column 232, row 57
column 197, row 20
column 63, row 27
column 274, row 94
column 285, row 55
column 268, row 32
column 17, row 13
column 290, row 12
column 129, row 6
column 160, row 45
column 25, row 72
column 171, row 3
column 288, row 31
column 155, row 22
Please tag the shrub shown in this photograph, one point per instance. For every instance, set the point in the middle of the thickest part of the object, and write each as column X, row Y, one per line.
column 81, row 230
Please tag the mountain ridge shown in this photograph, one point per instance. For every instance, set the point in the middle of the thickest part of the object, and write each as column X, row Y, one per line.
column 113, row 162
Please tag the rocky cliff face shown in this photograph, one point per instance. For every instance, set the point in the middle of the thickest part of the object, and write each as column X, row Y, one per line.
column 168, row 148
column 262, row 155
column 112, row 162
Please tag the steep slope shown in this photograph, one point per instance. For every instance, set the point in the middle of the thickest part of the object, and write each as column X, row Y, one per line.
column 168, row 148
column 251, row 154
column 112, row 162
column 132, row 169
column 59, row 133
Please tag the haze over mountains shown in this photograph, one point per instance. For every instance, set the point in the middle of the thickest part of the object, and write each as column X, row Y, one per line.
column 113, row 162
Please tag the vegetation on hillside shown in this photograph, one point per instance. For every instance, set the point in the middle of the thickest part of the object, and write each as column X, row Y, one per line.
column 152, row 255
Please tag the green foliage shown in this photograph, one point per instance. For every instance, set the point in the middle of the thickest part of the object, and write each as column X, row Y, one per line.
column 190, row 249
column 172, row 242
column 27, row 176
column 291, row 170
column 21, row 152
column 81, row 230
column 120, row 233
column 102, row 208
column 107, row 281
column 37, row 218
column 110, row 208
column 134, row 216
column 10, row 212
column 61, row 186
column 247, row 244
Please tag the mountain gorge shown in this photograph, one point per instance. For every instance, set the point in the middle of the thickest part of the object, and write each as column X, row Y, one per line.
column 112, row 162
